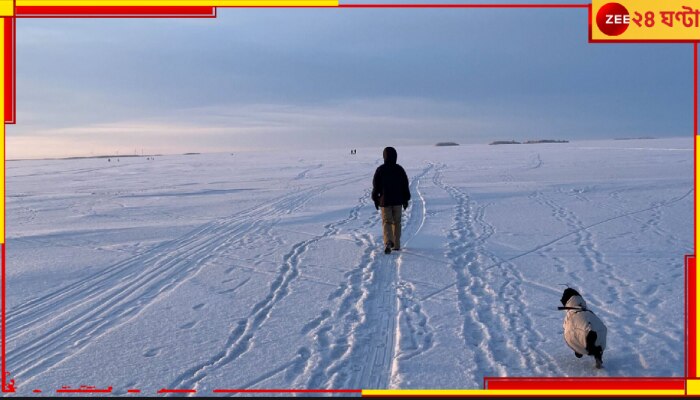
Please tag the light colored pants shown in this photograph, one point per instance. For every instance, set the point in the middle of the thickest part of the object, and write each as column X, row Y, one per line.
column 391, row 216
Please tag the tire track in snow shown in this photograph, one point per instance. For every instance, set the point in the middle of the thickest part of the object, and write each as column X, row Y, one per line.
column 95, row 305
column 414, row 333
column 79, row 170
column 303, row 174
column 37, row 309
column 383, row 312
column 240, row 338
column 323, row 352
column 354, row 348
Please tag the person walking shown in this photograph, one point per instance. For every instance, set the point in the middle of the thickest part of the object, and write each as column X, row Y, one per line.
column 390, row 191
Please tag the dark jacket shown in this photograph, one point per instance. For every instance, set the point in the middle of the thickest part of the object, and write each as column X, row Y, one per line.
column 390, row 183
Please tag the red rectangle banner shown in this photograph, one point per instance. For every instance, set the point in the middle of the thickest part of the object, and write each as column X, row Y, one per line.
column 10, row 93
column 115, row 11
column 585, row 383
column 690, row 310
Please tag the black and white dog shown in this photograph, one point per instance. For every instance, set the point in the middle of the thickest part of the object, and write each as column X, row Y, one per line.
column 584, row 332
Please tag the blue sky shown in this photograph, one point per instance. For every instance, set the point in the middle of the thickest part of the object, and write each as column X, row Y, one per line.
column 345, row 78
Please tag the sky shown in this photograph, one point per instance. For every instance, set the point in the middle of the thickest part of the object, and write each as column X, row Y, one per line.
column 256, row 79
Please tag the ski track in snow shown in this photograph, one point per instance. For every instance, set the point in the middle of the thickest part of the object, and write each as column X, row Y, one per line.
column 241, row 337
column 353, row 346
column 366, row 304
column 415, row 334
column 374, row 322
column 93, row 306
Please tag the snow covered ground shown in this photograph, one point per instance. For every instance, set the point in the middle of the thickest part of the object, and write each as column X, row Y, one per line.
column 265, row 270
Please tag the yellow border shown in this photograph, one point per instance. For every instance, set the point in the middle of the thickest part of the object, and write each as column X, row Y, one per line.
column 7, row 8
column 692, row 386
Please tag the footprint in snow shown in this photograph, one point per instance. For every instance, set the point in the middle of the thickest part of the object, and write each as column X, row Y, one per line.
column 152, row 352
column 189, row 325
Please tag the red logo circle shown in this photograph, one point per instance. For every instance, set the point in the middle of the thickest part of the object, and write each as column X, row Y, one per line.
column 613, row 19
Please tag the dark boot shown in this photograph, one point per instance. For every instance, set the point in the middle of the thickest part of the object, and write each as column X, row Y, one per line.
column 387, row 249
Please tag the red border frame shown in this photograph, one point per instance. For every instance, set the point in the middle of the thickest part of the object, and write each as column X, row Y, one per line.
column 10, row 66
column 695, row 88
column 7, row 386
column 608, row 383
column 519, row 383
column 115, row 11
column 690, row 317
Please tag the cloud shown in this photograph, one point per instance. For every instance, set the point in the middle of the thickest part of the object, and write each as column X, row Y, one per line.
column 256, row 78
column 235, row 127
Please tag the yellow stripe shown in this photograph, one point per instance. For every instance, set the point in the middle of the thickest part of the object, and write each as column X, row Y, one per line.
column 478, row 392
column 207, row 3
column 7, row 8
column 693, row 387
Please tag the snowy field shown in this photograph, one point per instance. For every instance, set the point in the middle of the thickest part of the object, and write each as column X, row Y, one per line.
column 265, row 270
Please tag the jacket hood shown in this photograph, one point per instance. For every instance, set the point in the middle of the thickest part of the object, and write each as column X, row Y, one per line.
column 390, row 155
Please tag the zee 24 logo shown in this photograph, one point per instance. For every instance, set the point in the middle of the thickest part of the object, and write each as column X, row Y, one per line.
column 613, row 19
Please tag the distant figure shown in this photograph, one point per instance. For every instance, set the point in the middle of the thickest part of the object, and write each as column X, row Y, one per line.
column 109, row 160
column 390, row 191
